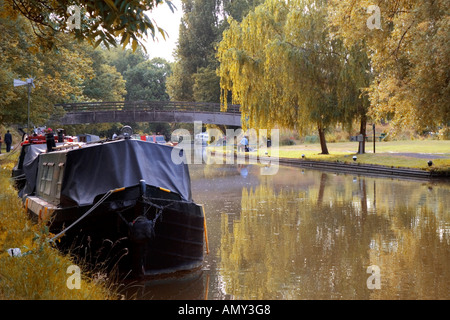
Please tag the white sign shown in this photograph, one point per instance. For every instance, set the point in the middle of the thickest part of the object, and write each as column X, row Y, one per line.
column 18, row 83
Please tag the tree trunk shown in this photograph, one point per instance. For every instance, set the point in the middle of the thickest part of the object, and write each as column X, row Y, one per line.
column 363, row 132
column 323, row 143
column 323, row 183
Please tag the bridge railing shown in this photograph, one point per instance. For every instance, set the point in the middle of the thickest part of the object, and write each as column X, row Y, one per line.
column 148, row 106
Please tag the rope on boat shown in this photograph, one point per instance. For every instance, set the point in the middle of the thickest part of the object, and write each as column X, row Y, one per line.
column 106, row 196
column 18, row 177
column 142, row 228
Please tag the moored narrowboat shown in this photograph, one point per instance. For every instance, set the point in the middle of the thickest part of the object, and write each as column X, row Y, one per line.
column 126, row 192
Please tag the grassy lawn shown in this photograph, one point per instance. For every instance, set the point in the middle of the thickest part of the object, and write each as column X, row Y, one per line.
column 408, row 154
column 402, row 154
column 414, row 146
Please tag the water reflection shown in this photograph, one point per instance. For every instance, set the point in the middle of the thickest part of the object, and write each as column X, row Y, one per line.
column 311, row 240
column 305, row 234
column 186, row 286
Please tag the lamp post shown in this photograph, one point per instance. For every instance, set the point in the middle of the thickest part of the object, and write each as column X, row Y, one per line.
column 29, row 82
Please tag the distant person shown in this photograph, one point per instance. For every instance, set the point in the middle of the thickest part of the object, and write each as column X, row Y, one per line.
column 244, row 144
column 50, row 140
column 8, row 141
column 0, row 143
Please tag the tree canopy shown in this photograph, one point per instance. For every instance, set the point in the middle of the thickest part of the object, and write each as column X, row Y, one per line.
column 147, row 80
column 298, row 64
column 72, row 72
column 96, row 21
column 194, row 77
column 106, row 84
column 282, row 66
column 409, row 53
column 195, row 49
column 59, row 75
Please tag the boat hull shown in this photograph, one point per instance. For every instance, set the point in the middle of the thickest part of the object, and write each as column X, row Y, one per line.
column 177, row 243
column 110, row 236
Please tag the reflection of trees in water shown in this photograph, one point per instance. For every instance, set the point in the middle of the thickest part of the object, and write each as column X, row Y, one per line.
column 318, row 243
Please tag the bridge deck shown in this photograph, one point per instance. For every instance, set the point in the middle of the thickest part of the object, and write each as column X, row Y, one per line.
column 149, row 111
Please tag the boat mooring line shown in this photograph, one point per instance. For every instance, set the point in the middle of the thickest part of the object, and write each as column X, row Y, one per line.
column 106, row 196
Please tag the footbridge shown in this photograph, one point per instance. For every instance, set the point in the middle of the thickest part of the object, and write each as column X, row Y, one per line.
column 148, row 111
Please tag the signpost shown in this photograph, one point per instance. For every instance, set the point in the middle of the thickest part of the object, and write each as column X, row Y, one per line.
column 29, row 82
column 373, row 127
column 360, row 139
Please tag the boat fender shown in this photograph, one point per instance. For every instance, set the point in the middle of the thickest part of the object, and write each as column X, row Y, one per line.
column 142, row 229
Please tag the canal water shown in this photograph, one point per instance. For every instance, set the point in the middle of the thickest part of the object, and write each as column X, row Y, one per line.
column 308, row 234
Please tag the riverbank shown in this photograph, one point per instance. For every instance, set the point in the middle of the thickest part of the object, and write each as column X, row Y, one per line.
column 38, row 271
column 393, row 158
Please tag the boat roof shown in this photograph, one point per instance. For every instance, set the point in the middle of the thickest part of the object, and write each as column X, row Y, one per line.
column 94, row 169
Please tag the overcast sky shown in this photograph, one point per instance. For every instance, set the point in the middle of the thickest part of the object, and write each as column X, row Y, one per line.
column 170, row 22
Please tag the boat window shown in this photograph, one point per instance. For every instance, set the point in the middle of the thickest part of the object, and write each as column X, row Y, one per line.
column 60, row 177
column 46, row 179
column 43, row 178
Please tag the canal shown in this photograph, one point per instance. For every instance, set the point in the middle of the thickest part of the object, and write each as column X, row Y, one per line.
column 307, row 234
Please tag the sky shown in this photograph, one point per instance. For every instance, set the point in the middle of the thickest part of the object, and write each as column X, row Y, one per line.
column 170, row 22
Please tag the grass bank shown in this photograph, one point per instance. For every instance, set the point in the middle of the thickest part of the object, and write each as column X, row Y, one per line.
column 41, row 271
column 397, row 154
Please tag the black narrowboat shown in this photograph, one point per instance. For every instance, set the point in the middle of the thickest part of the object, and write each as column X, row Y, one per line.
column 125, row 192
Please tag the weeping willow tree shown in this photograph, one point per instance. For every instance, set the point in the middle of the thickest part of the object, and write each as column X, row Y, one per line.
column 353, row 86
column 281, row 64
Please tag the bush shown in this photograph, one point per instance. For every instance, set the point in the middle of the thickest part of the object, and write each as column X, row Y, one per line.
column 287, row 142
column 312, row 139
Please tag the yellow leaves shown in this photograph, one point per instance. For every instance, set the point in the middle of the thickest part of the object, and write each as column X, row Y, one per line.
column 273, row 61
column 256, row 65
column 58, row 73
column 410, row 56
column 134, row 45
column 125, row 40
column 33, row 50
column 3, row 235
column 7, row 10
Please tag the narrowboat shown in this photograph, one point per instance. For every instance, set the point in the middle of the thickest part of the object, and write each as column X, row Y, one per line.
column 124, row 192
